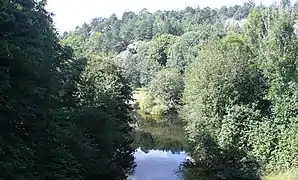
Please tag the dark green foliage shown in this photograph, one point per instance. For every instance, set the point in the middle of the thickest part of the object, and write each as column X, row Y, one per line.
column 215, row 163
column 29, row 53
column 60, row 119
column 103, row 121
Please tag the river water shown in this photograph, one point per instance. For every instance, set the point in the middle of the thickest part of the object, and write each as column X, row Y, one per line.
column 161, row 147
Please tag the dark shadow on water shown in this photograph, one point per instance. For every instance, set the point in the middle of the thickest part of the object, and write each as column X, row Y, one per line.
column 214, row 163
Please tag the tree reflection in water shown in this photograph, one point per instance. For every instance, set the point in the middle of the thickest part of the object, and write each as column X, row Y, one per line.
column 160, row 146
column 160, row 133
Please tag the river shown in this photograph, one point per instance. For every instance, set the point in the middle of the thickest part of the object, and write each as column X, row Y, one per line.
column 161, row 147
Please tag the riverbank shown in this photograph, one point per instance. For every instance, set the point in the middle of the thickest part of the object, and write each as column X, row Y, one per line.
column 159, row 138
column 144, row 101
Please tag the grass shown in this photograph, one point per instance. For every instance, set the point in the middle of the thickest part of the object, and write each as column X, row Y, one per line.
column 289, row 175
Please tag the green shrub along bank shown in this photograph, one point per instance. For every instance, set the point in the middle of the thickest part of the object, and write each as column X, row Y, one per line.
column 162, row 95
column 224, row 99
column 144, row 101
column 242, row 92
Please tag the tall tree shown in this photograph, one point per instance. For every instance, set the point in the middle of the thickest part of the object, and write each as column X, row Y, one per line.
column 159, row 48
column 60, row 117
column 223, row 97
column 277, row 56
column 178, row 53
column 144, row 25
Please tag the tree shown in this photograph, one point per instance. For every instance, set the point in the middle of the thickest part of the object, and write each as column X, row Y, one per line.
column 59, row 118
column 179, row 51
column 147, row 68
column 215, row 162
column 127, row 26
column 110, row 39
column 244, row 10
column 144, row 25
column 167, row 85
column 286, row 3
column 277, row 56
column 224, row 95
column 129, row 64
column 29, row 72
column 105, row 93
column 161, row 24
column 75, row 41
column 159, row 48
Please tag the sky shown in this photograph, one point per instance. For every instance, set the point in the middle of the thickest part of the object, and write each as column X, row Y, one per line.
column 71, row 13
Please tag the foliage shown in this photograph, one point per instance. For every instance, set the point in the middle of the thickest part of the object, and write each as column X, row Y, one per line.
column 117, row 33
column 29, row 57
column 223, row 77
column 243, row 91
column 276, row 46
column 213, row 162
column 147, row 68
column 128, row 62
column 224, row 97
column 167, row 85
column 66, row 117
column 146, row 102
column 181, row 52
column 104, row 89
column 159, row 48
column 61, row 117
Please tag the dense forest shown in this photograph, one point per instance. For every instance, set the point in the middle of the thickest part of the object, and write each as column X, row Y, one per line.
column 62, row 117
column 231, row 73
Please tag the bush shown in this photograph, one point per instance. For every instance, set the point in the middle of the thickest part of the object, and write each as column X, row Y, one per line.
column 167, row 85
column 224, row 98
column 215, row 163
column 147, row 103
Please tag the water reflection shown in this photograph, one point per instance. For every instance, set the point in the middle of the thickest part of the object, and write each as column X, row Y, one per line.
column 161, row 147
column 160, row 133
column 161, row 154
column 157, row 165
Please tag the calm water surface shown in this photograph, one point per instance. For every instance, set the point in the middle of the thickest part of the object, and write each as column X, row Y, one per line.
column 160, row 148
